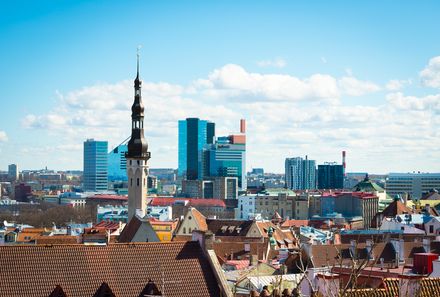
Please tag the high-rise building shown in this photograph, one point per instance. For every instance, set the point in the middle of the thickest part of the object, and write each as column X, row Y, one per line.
column 300, row 174
column 13, row 172
column 226, row 158
column 95, row 165
column 414, row 184
column 194, row 134
column 330, row 176
column 137, row 156
column 117, row 164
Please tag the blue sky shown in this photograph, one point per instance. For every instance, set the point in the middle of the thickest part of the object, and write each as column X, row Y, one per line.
column 65, row 61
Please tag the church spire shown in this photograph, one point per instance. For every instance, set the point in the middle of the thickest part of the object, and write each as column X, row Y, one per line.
column 137, row 146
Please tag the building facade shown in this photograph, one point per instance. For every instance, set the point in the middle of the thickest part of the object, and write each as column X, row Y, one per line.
column 117, row 164
column 194, row 134
column 330, row 176
column 414, row 184
column 13, row 172
column 300, row 174
column 95, row 176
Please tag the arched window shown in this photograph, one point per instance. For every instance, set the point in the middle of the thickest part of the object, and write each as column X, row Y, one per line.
column 138, row 181
column 131, row 181
column 184, row 230
column 189, row 230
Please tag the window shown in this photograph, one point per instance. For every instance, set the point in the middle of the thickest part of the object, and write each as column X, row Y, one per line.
column 189, row 230
column 138, row 162
column 431, row 229
column 131, row 181
column 138, row 181
column 184, row 230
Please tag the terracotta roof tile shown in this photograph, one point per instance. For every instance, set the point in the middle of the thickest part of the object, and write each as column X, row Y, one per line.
column 35, row 270
column 200, row 218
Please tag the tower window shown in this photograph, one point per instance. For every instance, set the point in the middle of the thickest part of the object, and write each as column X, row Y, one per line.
column 131, row 181
column 130, row 162
column 138, row 182
column 138, row 162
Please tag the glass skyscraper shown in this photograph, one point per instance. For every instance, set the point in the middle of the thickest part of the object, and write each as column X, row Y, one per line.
column 300, row 174
column 330, row 176
column 226, row 159
column 117, row 164
column 95, row 165
column 194, row 134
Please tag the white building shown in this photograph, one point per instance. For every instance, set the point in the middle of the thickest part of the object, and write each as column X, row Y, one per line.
column 415, row 184
column 246, row 207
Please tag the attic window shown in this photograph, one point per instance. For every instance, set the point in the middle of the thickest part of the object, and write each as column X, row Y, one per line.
column 231, row 228
column 238, row 229
column 224, row 228
column 189, row 217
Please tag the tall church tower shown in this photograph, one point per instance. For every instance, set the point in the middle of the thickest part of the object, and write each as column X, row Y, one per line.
column 137, row 155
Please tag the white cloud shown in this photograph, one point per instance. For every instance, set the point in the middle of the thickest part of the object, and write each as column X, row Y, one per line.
column 234, row 81
column 286, row 115
column 354, row 87
column 3, row 136
column 277, row 63
column 430, row 76
column 402, row 102
column 396, row 85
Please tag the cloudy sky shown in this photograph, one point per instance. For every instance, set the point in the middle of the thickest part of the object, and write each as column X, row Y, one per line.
column 311, row 78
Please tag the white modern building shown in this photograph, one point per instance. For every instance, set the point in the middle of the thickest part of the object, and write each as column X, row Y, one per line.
column 414, row 184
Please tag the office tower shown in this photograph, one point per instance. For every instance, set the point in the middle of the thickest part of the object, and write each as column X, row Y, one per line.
column 13, row 172
column 330, row 176
column 95, row 165
column 414, row 184
column 300, row 174
column 227, row 157
column 117, row 164
column 194, row 134
column 137, row 156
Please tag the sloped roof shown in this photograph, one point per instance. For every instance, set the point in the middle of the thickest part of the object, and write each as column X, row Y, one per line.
column 396, row 208
column 295, row 223
column 130, row 230
column 367, row 186
column 278, row 234
column 57, row 239
column 35, row 270
column 200, row 219
column 229, row 227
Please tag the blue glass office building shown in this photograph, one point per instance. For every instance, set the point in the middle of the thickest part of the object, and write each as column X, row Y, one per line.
column 300, row 174
column 117, row 164
column 95, row 165
column 194, row 134
column 227, row 159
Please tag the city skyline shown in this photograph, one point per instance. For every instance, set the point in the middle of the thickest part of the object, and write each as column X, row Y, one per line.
column 309, row 80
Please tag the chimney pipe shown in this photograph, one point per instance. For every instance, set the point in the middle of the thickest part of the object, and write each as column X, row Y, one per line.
column 343, row 162
column 243, row 126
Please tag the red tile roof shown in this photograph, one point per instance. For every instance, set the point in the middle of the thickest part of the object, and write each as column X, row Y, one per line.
column 35, row 270
column 159, row 201
column 108, row 225
column 108, row 197
column 295, row 223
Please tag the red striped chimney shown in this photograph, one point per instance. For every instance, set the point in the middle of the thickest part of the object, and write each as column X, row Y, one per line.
column 343, row 161
column 242, row 126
